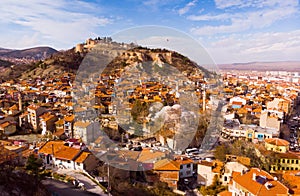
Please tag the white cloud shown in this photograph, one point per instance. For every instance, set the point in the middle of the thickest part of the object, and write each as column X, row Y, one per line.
column 187, row 7
column 271, row 46
column 245, row 20
column 221, row 4
column 207, row 17
column 237, row 4
column 51, row 21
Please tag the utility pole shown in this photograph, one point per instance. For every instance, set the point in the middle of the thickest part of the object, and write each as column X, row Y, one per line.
column 108, row 183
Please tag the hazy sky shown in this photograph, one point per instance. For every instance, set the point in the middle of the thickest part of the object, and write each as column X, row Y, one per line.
column 230, row 30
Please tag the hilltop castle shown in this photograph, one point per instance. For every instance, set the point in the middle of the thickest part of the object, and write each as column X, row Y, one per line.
column 91, row 43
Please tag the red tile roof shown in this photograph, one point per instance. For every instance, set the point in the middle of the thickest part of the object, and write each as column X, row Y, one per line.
column 277, row 141
column 258, row 186
column 167, row 165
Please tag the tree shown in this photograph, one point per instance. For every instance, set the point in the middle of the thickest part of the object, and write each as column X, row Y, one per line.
column 221, row 151
column 33, row 164
column 215, row 188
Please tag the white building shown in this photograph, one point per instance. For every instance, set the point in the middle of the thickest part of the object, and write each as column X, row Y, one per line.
column 87, row 131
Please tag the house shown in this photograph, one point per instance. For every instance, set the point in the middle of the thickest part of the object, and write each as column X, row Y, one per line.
column 236, row 105
column 280, row 104
column 277, row 145
column 207, row 170
column 293, row 179
column 256, row 182
column 87, row 131
column 286, row 162
column 268, row 120
column 69, row 125
column 228, row 170
column 186, row 167
column 168, row 171
column 46, row 152
column 6, row 155
column 86, row 161
column 8, row 128
column 64, row 158
column 63, row 155
column 233, row 129
column 47, row 121
column 34, row 112
column 238, row 99
column 148, row 155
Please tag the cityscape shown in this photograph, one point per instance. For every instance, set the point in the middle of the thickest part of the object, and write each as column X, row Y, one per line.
column 148, row 111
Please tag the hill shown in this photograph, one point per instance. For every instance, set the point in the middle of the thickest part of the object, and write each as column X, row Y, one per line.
column 4, row 63
column 63, row 61
column 159, row 57
column 56, row 63
column 69, row 61
column 4, row 50
column 292, row 66
column 36, row 53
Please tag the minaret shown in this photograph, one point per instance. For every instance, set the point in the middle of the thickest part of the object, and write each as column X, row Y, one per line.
column 20, row 101
column 204, row 96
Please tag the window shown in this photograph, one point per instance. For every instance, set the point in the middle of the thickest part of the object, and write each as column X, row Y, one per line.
column 181, row 167
column 296, row 161
column 288, row 161
column 292, row 161
column 283, row 161
column 287, row 168
column 188, row 165
column 225, row 178
column 68, row 161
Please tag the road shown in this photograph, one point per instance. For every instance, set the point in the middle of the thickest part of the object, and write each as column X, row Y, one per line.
column 88, row 183
column 58, row 188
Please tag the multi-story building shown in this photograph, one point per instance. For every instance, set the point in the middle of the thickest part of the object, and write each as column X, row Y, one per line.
column 86, row 131
column 34, row 112
column 69, row 125
column 47, row 121
column 285, row 160
column 256, row 182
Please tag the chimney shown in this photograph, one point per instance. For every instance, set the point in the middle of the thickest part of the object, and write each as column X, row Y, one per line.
column 254, row 177
column 243, row 172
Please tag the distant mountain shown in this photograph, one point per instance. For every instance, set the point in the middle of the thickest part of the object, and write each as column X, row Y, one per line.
column 59, row 62
column 4, row 50
column 263, row 66
column 37, row 53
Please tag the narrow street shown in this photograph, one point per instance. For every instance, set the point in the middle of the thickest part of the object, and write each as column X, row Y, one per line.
column 58, row 188
column 91, row 186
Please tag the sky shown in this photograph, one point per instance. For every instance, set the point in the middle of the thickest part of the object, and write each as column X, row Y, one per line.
column 231, row 31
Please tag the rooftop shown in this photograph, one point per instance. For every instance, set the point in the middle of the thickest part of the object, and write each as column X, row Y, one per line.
column 260, row 183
